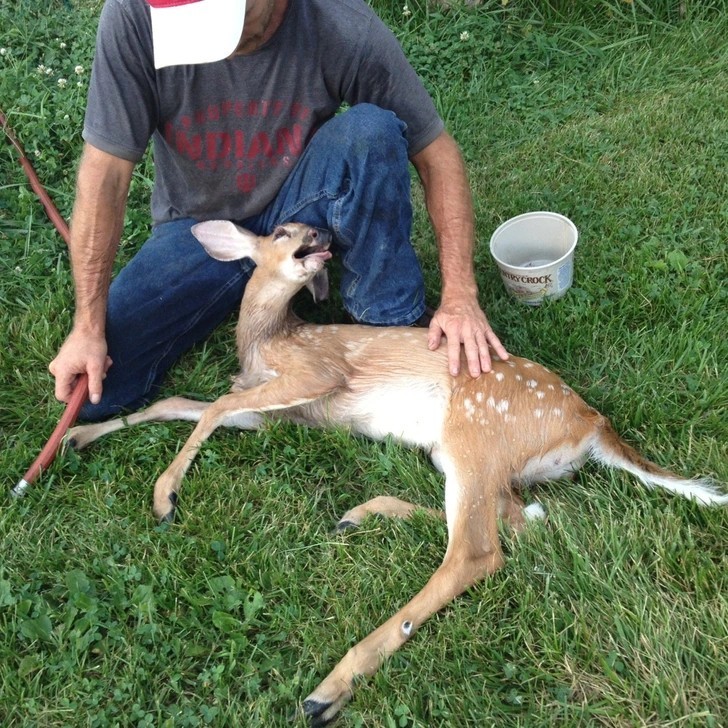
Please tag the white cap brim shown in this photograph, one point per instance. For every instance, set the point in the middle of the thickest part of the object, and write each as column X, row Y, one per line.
column 198, row 32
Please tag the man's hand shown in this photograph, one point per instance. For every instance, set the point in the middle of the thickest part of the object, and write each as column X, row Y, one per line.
column 464, row 324
column 81, row 353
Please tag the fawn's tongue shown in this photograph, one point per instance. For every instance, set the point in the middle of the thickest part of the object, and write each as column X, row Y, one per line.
column 316, row 260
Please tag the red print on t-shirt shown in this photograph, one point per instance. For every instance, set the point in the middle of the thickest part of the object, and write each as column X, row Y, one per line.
column 247, row 136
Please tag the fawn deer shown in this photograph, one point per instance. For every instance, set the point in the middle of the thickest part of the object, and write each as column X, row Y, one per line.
column 515, row 425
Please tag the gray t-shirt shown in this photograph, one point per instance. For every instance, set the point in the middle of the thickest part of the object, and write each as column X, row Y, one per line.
column 227, row 134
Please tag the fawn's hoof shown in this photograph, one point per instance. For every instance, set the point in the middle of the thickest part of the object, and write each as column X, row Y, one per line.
column 77, row 438
column 168, row 517
column 314, row 711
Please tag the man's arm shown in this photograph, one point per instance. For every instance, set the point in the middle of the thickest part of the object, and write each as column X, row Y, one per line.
column 449, row 204
column 102, row 187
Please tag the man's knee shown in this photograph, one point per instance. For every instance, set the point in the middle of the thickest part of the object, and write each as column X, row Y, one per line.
column 367, row 127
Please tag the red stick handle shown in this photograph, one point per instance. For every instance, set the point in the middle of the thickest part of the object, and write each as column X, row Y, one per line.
column 51, row 210
column 80, row 391
column 48, row 453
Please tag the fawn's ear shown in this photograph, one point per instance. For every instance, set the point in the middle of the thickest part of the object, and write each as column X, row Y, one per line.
column 319, row 286
column 224, row 240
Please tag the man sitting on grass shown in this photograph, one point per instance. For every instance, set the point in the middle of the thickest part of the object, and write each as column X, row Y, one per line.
column 241, row 102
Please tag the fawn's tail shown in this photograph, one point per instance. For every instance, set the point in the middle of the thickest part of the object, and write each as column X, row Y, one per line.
column 611, row 450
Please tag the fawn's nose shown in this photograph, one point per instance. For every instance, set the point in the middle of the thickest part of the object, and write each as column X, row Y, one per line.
column 317, row 235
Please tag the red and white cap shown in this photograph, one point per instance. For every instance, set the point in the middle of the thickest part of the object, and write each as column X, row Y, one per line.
column 195, row 31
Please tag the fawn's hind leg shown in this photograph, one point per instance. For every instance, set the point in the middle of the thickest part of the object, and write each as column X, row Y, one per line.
column 471, row 497
column 514, row 513
column 382, row 505
column 511, row 510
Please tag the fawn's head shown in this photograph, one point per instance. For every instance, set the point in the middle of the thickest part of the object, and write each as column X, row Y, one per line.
column 293, row 254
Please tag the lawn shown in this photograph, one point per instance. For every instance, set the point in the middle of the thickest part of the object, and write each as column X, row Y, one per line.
column 612, row 613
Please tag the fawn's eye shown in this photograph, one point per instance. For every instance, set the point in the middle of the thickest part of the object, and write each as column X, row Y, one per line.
column 280, row 232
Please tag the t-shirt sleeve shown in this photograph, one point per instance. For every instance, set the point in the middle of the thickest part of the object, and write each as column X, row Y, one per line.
column 121, row 112
column 386, row 78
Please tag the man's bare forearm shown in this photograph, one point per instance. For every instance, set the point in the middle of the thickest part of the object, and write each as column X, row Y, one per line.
column 450, row 206
column 98, row 217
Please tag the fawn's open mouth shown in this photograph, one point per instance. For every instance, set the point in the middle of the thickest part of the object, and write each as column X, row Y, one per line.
column 311, row 249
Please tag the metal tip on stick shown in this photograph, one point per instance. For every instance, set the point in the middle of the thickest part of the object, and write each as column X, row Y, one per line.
column 19, row 490
column 48, row 453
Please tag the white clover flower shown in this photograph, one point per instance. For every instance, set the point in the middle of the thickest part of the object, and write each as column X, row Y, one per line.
column 79, row 84
column 49, row 72
column 79, row 70
column 465, row 36
column 3, row 51
column 66, row 117
column 38, row 154
column 62, row 82
column 41, row 69
column 62, row 44
column 406, row 12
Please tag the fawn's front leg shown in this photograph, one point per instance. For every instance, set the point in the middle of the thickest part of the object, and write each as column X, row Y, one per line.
column 173, row 408
column 278, row 394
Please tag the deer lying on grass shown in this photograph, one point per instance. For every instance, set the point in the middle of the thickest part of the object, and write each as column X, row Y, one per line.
column 515, row 425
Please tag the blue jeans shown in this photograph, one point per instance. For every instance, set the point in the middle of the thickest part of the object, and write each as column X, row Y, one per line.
column 353, row 178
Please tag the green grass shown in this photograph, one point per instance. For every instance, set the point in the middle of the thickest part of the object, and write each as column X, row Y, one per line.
column 614, row 613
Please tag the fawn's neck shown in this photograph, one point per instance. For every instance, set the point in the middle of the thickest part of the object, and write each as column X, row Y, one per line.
column 265, row 314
